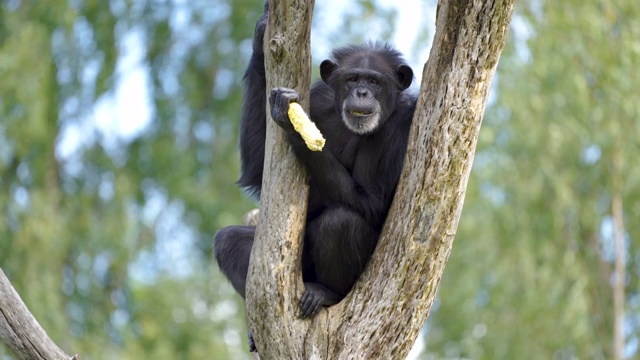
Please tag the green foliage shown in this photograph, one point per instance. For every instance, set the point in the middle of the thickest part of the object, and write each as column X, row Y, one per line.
column 106, row 233
column 529, row 276
column 109, row 243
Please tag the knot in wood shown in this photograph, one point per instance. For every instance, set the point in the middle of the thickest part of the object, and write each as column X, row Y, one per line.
column 276, row 46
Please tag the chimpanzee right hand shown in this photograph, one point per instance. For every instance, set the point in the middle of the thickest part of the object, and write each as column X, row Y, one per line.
column 279, row 101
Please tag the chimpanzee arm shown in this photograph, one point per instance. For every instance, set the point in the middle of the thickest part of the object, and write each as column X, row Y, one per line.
column 252, row 123
column 335, row 183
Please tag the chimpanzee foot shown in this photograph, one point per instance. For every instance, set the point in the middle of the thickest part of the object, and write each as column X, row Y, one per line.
column 316, row 296
column 252, row 345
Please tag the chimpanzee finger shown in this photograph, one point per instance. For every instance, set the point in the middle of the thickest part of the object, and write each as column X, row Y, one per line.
column 303, row 299
column 306, row 303
column 317, row 305
column 282, row 96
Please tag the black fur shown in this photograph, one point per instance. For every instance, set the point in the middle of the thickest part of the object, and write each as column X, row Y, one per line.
column 362, row 109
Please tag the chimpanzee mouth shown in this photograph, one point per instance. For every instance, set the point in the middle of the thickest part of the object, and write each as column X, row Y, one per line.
column 361, row 119
column 360, row 113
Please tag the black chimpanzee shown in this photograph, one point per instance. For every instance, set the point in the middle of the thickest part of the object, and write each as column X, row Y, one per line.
column 362, row 109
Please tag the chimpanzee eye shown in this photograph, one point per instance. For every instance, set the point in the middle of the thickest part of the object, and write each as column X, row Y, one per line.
column 373, row 81
column 352, row 79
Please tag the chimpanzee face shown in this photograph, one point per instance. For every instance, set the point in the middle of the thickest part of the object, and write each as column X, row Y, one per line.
column 361, row 101
column 366, row 90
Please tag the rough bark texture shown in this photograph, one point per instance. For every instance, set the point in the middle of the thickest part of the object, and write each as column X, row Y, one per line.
column 383, row 314
column 394, row 296
column 274, row 283
column 20, row 331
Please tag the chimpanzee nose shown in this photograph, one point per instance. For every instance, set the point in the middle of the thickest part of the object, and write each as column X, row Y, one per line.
column 362, row 93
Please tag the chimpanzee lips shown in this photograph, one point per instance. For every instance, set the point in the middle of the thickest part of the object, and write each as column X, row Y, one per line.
column 360, row 113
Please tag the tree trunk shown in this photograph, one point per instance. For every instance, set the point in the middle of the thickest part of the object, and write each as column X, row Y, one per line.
column 274, row 282
column 381, row 317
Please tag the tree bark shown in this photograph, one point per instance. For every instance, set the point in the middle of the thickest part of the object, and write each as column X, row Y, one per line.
column 382, row 316
column 20, row 331
column 274, row 282
column 404, row 274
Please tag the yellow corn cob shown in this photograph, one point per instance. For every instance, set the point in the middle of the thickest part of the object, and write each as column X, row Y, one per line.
column 307, row 129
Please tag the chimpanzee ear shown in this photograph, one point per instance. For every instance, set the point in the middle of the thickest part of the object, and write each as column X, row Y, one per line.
column 326, row 69
column 405, row 76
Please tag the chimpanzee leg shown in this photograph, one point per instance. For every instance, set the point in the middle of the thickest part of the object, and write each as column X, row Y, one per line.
column 232, row 249
column 341, row 242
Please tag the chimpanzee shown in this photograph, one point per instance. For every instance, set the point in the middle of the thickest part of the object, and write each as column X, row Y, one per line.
column 362, row 109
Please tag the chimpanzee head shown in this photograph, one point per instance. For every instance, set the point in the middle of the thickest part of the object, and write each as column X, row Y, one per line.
column 366, row 80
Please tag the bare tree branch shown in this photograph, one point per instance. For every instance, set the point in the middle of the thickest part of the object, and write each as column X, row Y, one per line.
column 20, row 331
